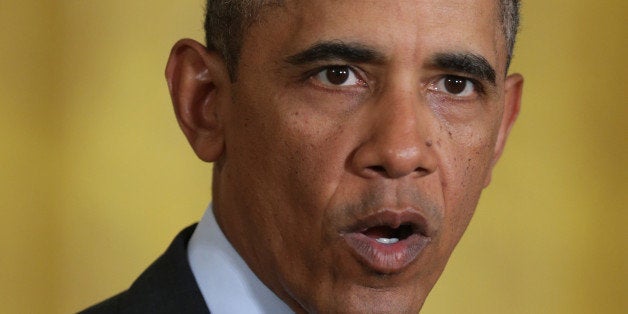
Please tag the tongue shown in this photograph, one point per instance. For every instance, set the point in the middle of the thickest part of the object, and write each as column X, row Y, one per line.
column 380, row 232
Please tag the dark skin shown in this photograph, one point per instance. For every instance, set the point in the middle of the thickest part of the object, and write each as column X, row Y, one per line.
column 345, row 114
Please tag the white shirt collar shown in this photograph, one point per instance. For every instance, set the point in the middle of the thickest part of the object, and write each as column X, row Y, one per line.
column 226, row 282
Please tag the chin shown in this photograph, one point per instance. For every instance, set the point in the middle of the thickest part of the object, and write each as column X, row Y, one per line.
column 356, row 298
column 369, row 300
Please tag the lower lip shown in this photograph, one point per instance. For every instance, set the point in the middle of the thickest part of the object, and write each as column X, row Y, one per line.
column 386, row 258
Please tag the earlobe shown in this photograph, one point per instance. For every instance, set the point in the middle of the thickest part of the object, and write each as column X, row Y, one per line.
column 512, row 105
column 199, row 87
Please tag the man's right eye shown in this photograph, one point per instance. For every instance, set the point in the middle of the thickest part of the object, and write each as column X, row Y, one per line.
column 338, row 75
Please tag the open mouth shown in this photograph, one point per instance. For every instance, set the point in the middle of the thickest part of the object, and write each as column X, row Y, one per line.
column 389, row 235
column 388, row 241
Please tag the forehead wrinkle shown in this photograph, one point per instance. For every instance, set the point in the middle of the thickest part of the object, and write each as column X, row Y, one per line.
column 292, row 12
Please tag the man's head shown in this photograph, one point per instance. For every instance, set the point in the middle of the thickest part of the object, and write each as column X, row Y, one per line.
column 352, row 149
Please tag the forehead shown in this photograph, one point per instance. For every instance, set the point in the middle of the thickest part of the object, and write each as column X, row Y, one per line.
column 409, row 28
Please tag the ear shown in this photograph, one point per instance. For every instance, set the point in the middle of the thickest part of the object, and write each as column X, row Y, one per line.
column 512, row 104
column 199, row 85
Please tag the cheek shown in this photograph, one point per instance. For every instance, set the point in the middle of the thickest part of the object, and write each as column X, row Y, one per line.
column 292, row 152
column 465, row 160
column 317, row 140
column 284, row 162
column 316, row 155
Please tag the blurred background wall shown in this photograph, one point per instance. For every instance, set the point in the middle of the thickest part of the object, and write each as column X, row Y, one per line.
column 96, row 178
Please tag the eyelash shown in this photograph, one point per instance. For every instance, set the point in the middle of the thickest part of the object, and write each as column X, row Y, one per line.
column 317, row 71
column 477, row 86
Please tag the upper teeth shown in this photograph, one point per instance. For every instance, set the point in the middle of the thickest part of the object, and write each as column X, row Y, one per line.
column 387, row 240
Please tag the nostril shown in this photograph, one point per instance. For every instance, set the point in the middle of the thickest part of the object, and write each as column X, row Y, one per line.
column 379, row 169
column 420, row 169
column 383, row 171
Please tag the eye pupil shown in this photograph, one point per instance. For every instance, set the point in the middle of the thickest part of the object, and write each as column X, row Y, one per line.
column 337, row 75
column 455, row 85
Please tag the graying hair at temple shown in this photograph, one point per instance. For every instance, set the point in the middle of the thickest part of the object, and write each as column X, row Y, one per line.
column 227, row 20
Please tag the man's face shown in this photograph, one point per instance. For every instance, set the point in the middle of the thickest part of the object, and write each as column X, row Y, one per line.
column 359, row 137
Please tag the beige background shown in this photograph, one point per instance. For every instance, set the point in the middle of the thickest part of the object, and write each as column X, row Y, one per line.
column 96, row 178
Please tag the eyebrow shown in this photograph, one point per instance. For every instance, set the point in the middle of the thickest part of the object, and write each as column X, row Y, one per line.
column 336, row 50
column 469, row 63
column 472, row 64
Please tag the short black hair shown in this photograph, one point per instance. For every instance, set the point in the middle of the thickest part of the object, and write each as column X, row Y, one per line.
column 226, row 21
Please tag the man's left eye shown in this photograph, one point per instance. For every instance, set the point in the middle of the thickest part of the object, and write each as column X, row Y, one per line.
column 338, row 75
column 455, row 85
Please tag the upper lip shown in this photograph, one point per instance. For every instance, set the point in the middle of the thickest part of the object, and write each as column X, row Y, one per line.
column 394, row 218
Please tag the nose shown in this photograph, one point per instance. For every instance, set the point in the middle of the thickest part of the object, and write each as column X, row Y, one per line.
column 398, row 142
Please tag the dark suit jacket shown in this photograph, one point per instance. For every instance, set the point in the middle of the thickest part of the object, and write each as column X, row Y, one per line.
column 167, row 286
